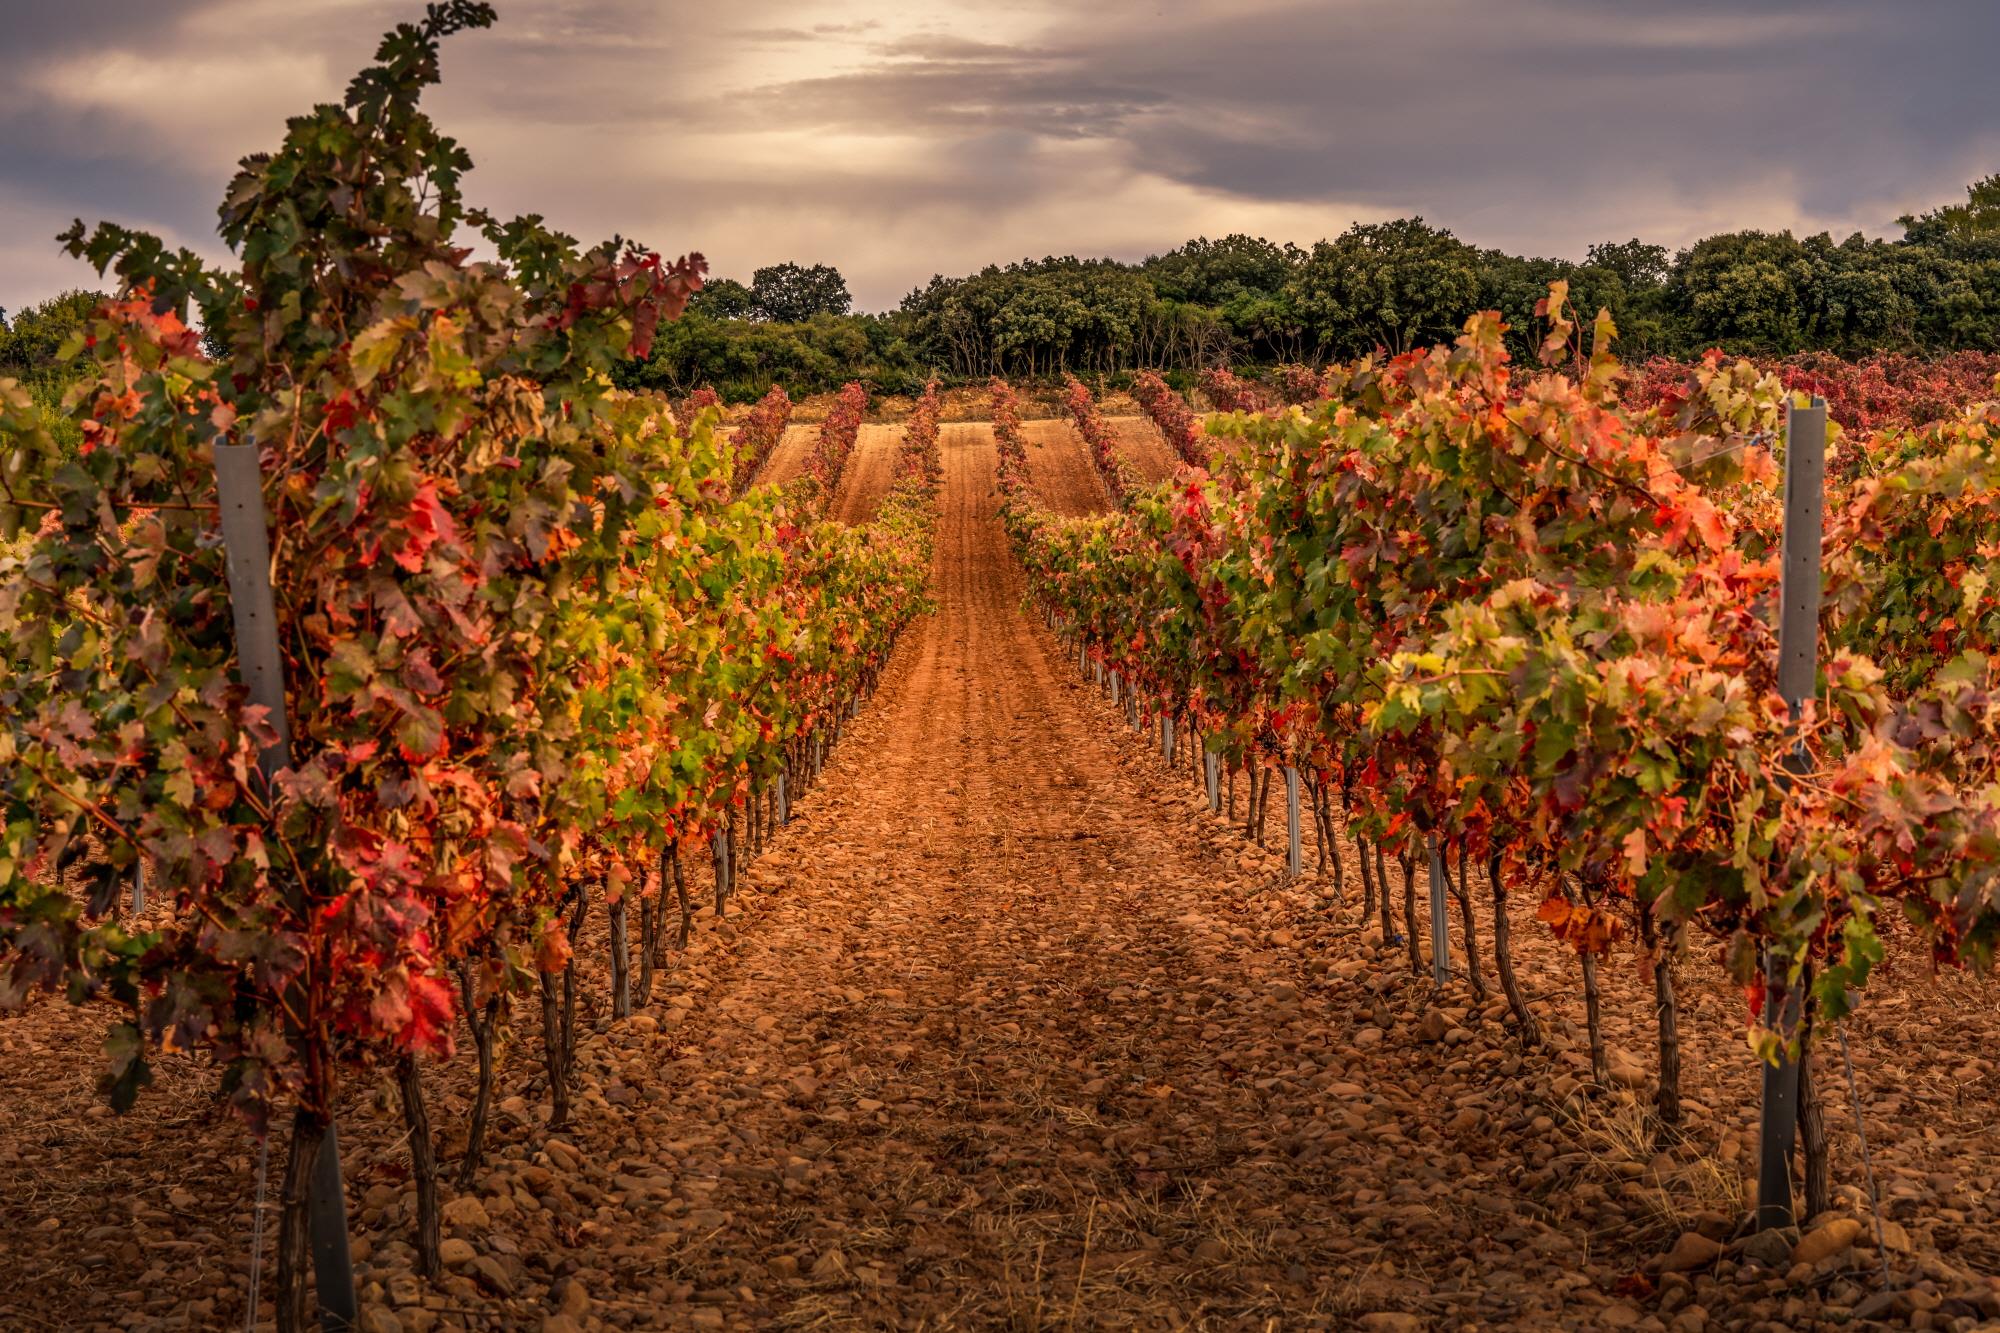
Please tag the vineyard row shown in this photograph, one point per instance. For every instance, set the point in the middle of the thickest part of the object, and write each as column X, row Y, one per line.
column 537, row 641
column 1508, row 621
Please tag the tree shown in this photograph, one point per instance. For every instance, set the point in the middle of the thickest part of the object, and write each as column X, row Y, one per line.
column 724, row 298
column 1267, row 326
column 1743, row 291
column 31, row 351
column 1212, row 273
column 1390, row 284
column 1245, row 300
column 31, row 344
column 1239, row 280
column 791, row 293
column 1637, row 264
column 1765, row 293
column 1979, row 215
column 1044, row 316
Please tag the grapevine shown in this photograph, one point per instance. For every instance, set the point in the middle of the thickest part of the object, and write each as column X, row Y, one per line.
column 836, row 441
column 1883, row 392
column 1090, row 424
column 1301, row 385
column 1492, row 611
column 1170, row 413
column 759, row 435
column 534, row 643
column 1231, row 393
column 1012, row 448
column 552, row 660
column 920, row 457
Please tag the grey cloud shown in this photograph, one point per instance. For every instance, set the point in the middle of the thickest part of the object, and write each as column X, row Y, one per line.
column 1441, row 108
column 1052, row 96
column 35, row 28
column 943, row 46
column 1385, row 102
column 1536, row 125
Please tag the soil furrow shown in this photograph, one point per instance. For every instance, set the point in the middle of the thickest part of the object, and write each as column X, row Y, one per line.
column 1141, row 446
column 789, row 458
column 870, row 471
column 1060, row 470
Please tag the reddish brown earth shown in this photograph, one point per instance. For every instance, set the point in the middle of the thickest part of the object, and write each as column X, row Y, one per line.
column 1141, row 446
column 789, row 458
column 1059, row 468
column 870, row 471
column 1007, row 1031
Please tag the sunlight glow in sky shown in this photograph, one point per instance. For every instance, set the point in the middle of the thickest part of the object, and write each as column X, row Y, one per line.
column 895, row 140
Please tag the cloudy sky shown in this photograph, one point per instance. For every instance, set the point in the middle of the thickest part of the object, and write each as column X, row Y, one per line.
column 898, row 138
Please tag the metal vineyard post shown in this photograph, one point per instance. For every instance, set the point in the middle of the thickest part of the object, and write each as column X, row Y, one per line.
column 247, row 544
column 1798, row 664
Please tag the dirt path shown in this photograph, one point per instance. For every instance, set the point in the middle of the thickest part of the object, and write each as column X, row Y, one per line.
column 993, row 1043
column 1005, row 1032
column 789, row 458
column 1059, row 468
column 1139, row 443
column 991, row 1049
column 1012, row 1035
column 1059, row 465
column 870, row 470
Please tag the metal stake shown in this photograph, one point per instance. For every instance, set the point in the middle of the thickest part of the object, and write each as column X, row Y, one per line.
column 1294, row 854
column 1798, row 670
column 246, row 539
column 333, row 1267
column 1440, row 930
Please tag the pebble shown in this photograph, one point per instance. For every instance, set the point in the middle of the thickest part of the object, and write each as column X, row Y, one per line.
column 1693, row 1250
column 1826, row 1240
column 1390, row 1321
column 465, row 1213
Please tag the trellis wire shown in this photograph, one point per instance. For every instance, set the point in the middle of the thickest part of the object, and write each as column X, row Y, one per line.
column 1861, row 1132
column 257, row 1232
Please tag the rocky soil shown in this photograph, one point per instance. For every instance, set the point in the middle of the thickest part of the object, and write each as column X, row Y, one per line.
column 1008, row 1031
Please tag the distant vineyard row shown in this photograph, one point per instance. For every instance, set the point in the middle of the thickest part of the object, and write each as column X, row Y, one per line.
column 1871, row 394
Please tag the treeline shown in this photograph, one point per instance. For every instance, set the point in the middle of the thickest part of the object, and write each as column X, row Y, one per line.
column 1244, row 301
